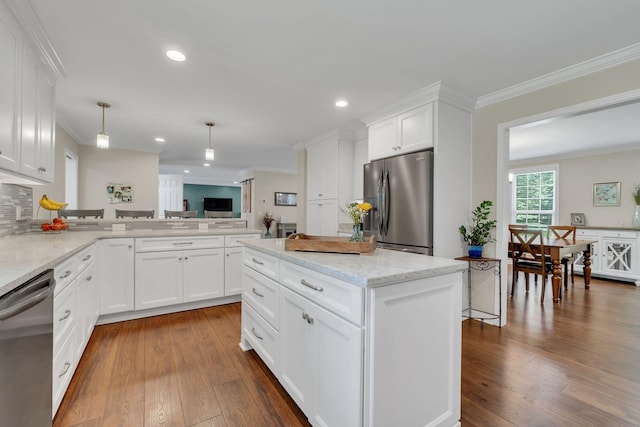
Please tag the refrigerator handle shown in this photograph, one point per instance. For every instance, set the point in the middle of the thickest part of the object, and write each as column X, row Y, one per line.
column 387, row 204
column 380, row 204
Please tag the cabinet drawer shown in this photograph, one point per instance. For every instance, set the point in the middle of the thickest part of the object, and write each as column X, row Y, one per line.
column 262, row 294
column 84, row 258
column 234, row 240
column 152, row 244
column 265, row 264
column 63, row 367
column 262, row 337
column 64, row 274
column 63, row 315
column 586, row 234
column 337, row 296
column 620, row 234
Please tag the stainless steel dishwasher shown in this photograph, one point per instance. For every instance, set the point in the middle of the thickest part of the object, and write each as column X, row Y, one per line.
column 26, row 347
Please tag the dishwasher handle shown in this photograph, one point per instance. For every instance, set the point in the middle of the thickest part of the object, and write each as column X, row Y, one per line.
column 27, row 295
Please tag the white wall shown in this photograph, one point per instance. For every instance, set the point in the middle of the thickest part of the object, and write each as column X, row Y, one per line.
column 265, row 184
column 99, row 167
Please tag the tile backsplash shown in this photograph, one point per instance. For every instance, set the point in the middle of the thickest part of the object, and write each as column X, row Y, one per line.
column 12, row 196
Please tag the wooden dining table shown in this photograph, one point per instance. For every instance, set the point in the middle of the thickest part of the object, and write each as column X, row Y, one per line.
column 558, row 248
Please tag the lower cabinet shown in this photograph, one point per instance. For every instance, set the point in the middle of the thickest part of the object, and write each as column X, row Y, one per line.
column 614, row 255
column 322, row 217
column 320, row 361
column 116, row 260
column 232, row 271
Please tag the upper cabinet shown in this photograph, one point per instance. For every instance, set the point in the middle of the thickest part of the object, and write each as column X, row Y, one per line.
column 27, row 97
column 329, row 167
column 403, row 133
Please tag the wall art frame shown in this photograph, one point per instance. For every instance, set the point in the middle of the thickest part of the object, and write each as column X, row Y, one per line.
column 606, row 194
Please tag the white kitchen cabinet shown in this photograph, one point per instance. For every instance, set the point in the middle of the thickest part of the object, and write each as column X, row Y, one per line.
column 158, row 279
column 10, row 47
column 233, row 262
column 116, row 262
column 27, row 95
column 322, row 217
column 404, row 133
column 322, row 171
column 203, row 274
column 320, row 361
column 88, row 306
column 615, row 254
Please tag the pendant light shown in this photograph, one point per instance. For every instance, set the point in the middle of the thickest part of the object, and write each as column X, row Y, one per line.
column 103, row 139
column 208, row 153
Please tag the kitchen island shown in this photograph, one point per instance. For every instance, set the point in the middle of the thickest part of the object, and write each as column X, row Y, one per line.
column 357, row 340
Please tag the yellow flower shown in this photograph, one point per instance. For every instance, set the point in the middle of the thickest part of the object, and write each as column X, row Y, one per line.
column 365, row 206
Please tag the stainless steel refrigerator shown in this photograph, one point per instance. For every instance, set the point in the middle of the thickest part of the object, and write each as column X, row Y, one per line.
column 400, row 189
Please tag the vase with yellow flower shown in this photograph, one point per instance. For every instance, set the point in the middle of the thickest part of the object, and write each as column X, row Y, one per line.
column 357, row 211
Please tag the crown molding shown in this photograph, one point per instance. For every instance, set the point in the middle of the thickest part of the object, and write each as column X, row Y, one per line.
column 340, row 134
column 599, row 63
column 26, row 16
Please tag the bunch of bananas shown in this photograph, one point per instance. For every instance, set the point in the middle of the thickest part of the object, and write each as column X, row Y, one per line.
column 51, row 205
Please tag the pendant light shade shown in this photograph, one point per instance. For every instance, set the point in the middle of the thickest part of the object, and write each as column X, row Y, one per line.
column 209, row 153
column 102, row 141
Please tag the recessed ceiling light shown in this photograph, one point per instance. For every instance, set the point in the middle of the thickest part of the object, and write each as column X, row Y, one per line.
column 206, row 164
column 159, row 139
column 187, row 171
column 342, row 103
column 236, row 182
column 176, row 56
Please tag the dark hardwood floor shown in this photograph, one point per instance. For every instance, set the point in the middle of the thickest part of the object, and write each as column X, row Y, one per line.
column 576, row 363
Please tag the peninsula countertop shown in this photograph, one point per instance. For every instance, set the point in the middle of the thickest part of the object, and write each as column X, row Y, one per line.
column 24, row 256
column 383, row 267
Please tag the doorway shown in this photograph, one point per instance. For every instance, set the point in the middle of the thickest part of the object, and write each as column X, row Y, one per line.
column 71, row 179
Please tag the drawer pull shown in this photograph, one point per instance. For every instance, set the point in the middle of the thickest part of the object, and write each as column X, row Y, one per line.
column 87, row 258
column 66, row 314
column 309, row 285
column 308, row 318
column 89, row 278
column 257, row 293
column 253, row 331
column 65, row 275
column 257, row 261
column 67, row 365
column 182, row 243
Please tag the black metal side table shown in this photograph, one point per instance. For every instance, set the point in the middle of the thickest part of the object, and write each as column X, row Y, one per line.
column 483, row 264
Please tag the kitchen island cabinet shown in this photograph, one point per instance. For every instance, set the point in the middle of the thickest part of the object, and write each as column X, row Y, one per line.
column 357, row 340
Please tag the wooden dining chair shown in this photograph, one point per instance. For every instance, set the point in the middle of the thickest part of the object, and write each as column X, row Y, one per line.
column 81, row 213
column 180, row 214
column 527, row 259
column 121, row 213
column 566, row 232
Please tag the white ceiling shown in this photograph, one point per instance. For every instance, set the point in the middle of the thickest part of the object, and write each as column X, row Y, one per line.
column 268, row 73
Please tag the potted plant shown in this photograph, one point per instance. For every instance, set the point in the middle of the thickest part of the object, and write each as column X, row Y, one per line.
column 479, row 232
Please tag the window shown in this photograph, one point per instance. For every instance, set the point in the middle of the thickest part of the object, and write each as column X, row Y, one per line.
column 533, row 196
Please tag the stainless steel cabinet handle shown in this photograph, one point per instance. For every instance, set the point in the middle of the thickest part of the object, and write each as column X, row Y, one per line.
column 253, row 331
column 186, row 258
column 65, row 275
column 41, row 169
column 182, row 243
column 257, row 293
column 67, row 365
column 87, row 258
column 179, row 258
column 309, row 285
column 89, row 278
column 308, row 318
column 257, row 261
column 130, row 246
column 66, row 314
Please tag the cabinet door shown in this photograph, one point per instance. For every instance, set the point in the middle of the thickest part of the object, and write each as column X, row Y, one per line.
column 46, row 127
column 10, row 54
column 314, row 218
column 314, row 173
column 330, row 173
column 618, row 256
column 29, row 99
column 415, row 129
column 337, row 391
column 383, row 139
column 87, row 295
column 295, row 349
column 158, row 279
column 203, row 276
column 116, row 275
column 232, row 271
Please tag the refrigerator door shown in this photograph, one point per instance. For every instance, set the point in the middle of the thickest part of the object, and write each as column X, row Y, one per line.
column 372, row 193
column 407, row 195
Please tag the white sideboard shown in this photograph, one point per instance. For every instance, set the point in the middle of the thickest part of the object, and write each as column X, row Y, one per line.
column 615, row 255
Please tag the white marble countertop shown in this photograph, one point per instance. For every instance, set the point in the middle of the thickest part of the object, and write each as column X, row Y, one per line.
column 384, row 267
column 26, row 255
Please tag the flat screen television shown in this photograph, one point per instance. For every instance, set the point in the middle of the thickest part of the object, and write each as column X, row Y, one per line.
column 218, row 204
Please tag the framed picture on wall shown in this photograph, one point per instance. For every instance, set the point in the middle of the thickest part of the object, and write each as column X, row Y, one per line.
column 606, row 194
column 578, row 219
column 286, row 199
